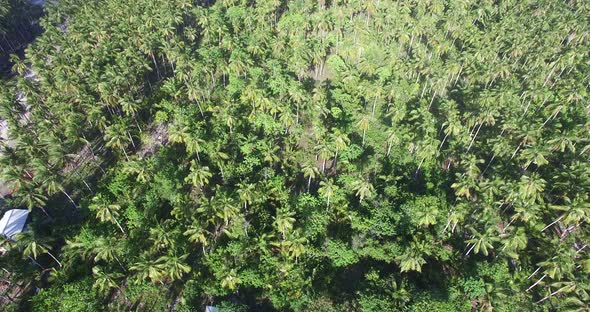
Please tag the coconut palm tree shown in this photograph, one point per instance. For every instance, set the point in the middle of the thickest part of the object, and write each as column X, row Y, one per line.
column 481, row 242
column 106, row 212
column 197, row 234
column 327, row 190
column 173, row 267
column 31, row 246
column 364, row 189
column 231, row 281
column 104, row 283
column 246, row 193
column 117, row 137
column 284, row 221
column 410, row 261
column 199, row 175
column 148, row 270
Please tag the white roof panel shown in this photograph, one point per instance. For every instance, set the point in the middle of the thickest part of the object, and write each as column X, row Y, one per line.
column 13, row 222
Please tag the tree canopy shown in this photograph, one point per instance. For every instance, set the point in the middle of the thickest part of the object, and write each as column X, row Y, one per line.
column 302, row 155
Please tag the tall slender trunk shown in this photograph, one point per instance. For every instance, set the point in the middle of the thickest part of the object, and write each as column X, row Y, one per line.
column 516, row 150
column 156, row 65
column 470, row 249
column 120, row 264
column 200, row 109
column 509, row 223
column 36, row 263
column 45, row 212
column 432, row 100
column 537, row 282
column 423, row 90
column 549, row 76
column 489, row 164
column 474, row 137
column 552, row 116
column 441, row 144
column 549, row 296
column 533, row 274
column 86, row 184
column 70, row 198
column 137, row 124
column 131, row 139
column 54, row 258
column 552, row 223
column 119, row 225
column 124, row 152
column 420, row 165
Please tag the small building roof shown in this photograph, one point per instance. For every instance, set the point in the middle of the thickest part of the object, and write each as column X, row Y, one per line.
column 13, row 222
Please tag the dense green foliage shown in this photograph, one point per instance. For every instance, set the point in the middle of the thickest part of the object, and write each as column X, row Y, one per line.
column 304, row 155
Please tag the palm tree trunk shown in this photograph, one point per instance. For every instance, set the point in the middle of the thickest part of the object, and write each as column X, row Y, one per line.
column 120, row 264
column 36, row 263
column 119, row 225
column 516, row 150
column 432, row 100
column 549, row 296
column 470, row 249
column 124, row 152
column 474, row 137
column 489, row 164
column 70, row 198
column 54, row 258
column 549, row 76
column 533, row 274
column 441, row 144
column 87, row 186
column 552, row 116
column 200, row 108
column 131, row 139
column 537, row 282
column 509, row 224
column 156, row 65
column 552, row 223
column 420, row 165
column 364, row 132
column 137, row 124
column 45, row 212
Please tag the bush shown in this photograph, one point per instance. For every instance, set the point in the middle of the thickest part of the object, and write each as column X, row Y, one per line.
column 72, row 297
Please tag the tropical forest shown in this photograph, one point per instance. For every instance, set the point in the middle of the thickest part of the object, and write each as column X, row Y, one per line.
column 295, row 155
